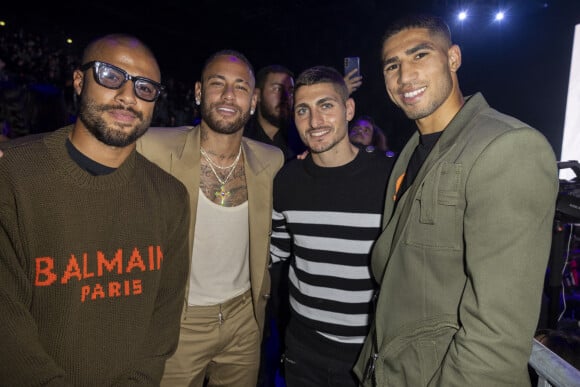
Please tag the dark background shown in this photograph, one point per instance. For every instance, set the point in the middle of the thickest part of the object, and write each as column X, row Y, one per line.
column 521, row 64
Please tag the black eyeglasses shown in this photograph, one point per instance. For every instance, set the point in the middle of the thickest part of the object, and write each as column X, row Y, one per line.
column 112, row 77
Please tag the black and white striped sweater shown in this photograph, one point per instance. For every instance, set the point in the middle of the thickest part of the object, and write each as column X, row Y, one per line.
column 325, row 220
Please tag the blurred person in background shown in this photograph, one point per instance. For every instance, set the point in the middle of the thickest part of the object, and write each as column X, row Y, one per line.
column 364, row 132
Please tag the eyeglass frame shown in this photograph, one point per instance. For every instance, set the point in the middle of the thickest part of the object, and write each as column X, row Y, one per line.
column 95, row 64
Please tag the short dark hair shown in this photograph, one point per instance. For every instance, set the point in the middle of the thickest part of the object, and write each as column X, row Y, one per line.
column 228, row 52
column 271, row 69
column 435, row 24
column 322, row 74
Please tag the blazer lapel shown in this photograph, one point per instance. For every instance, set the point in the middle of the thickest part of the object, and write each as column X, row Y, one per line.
column 258, row 212
column 450, row 138
column 392, row 213
column 186, row 167
column 407, row 201
column 399, row 212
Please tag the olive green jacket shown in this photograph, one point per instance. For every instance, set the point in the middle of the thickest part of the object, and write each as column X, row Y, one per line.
column 462, row 257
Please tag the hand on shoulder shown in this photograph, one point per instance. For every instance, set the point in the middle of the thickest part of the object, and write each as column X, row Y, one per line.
column 302, row 155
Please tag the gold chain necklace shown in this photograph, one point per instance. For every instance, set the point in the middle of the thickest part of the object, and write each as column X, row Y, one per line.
column 222, row 194
column 209, row 160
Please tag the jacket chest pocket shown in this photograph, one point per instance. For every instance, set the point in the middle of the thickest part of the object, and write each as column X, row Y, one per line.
column 436, row 217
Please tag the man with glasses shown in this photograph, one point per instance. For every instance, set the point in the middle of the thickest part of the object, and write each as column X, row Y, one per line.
column 93, row 237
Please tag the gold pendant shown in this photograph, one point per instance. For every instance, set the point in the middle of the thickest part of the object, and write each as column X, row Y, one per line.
column 222, row 194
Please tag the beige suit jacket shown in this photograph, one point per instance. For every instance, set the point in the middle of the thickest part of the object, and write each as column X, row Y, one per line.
column 177, row 151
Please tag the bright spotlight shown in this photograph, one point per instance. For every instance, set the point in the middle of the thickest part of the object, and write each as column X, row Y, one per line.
column 499, row 16
column 462, row 15
column 69, row 40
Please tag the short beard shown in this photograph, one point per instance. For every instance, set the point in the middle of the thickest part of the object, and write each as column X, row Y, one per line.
column 326, row 147
column 90, row 114
column 220, row 125
column 280, row 120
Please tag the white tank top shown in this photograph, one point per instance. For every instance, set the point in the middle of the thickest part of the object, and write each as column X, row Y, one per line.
column 220, row 258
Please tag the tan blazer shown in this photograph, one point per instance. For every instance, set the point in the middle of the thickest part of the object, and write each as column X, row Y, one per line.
column 177, row 151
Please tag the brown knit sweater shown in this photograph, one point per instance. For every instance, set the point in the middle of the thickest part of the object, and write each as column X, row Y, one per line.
column 92, row 269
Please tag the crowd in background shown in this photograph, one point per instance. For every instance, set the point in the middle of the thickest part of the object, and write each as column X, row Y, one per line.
column 36, row 93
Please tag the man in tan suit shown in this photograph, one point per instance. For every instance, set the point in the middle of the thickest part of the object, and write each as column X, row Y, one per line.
column 229, row 180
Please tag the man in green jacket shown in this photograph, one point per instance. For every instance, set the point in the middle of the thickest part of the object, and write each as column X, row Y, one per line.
column 466, row 229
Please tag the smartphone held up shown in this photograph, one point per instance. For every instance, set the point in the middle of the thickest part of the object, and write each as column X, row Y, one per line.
column 353, row 81
column 351, row 63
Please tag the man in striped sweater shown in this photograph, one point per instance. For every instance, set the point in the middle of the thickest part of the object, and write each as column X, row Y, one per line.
column 327, row 214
